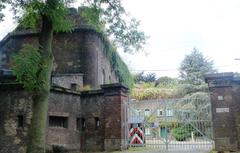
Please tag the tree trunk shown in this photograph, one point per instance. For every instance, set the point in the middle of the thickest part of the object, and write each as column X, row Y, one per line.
column 37, row 131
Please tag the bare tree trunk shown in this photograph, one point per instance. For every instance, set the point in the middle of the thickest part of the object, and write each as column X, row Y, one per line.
column 37, row 130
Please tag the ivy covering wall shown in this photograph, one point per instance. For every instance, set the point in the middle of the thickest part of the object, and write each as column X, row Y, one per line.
column 118, row 65
column 91, row 17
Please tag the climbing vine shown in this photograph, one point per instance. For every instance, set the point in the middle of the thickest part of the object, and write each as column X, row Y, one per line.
column 119, row 66
column 92, row 17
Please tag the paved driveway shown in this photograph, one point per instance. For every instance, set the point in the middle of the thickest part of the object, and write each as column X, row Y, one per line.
column 162, row 151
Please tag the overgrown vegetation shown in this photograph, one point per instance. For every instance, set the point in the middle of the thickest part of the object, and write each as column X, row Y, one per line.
column 48, row 16
column 119, row 66
column 147, row 86
column 92, row 17
column 25, row 66
column 190, row 84
column 183, row 132
column 141, row 77
column 146, row 91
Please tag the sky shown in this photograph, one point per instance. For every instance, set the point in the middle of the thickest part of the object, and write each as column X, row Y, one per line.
column 174, row 28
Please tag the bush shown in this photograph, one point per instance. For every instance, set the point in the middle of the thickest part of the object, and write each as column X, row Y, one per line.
column 183, row 132
column 152, row 93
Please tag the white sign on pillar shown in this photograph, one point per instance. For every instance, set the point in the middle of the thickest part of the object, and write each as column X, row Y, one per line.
column 222, row 110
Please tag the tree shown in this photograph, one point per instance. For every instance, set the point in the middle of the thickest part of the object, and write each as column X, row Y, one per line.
column 150, row 77
column 2, row 6
column 194, row 67
column 166, row 82
column 193, row 87
column 51, row 15
column 141, row 77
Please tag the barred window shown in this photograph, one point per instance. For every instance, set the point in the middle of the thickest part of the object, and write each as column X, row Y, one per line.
column 58, row 121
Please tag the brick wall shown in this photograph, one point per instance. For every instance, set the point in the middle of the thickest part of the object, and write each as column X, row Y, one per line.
column 102, row 110
column 14, row 103
column 68, row 105
column 114, row 112
column 82, row 51
column 70, row 81
column 224, row 92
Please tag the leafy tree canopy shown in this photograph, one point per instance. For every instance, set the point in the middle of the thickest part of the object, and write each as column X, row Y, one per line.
column 107, row 16
column 51, row 15
column 2, row 6
column 194, row 67
column 141, row 77
column 166, row 82
column 25, row 67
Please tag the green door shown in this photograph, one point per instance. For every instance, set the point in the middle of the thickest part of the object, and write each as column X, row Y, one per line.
column 163, row 132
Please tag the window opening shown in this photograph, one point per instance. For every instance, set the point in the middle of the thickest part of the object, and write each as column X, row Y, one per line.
column 159, row 112
column 20, row 121
column 147, row 112
column 73, row 86
column 58, row 121
column 103, row 77
column 97, row 122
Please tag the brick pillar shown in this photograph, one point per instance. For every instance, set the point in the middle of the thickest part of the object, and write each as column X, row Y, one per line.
column 223, row 111
column 115, row 96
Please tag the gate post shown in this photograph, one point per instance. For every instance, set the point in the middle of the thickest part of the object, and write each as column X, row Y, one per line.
column 224, row 112
column 115, row 97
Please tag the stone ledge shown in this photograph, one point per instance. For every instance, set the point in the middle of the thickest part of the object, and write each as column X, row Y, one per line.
column 68, row 74
column 214, row 76
column 91, row 92
column 64, row 90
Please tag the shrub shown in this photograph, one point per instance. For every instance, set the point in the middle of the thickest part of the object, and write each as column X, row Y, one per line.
column 183, row 132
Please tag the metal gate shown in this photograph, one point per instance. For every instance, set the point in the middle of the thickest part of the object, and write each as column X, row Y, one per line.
column 170, row 124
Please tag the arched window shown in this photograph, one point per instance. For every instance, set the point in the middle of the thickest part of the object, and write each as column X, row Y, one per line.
column 147, row 112
column 103, row 77
column 110, row 79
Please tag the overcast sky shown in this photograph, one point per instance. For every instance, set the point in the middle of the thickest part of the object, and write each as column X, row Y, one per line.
column 175, row 27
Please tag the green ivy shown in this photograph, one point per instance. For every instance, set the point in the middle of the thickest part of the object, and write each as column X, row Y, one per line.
column 92, row 17
column 119, row 66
